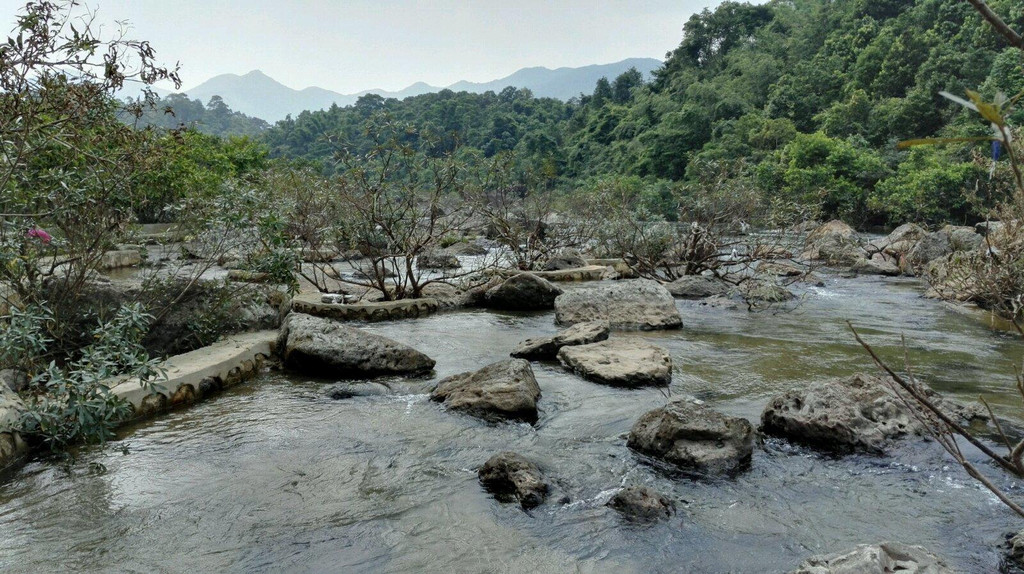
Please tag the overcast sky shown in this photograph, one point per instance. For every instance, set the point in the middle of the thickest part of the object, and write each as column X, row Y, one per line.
column 354, row 45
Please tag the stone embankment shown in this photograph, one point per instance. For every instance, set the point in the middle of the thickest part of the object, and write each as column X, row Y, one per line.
column 190, row 377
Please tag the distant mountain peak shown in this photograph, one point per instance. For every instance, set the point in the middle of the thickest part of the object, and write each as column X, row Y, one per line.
column 258, row 95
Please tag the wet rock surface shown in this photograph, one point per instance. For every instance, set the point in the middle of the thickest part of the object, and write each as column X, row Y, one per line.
column 511, row 477
column 506, row 390
column 565, row 260
column 694, row 438
column 326, row 348
column 642, row 504
column 884, row 558
column 523, row 292
column 626, row 362
column 635, row 304
column 545, row 348
column 697, row 287
column 854, row 413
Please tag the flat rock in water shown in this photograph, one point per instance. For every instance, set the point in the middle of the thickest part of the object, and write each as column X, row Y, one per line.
column 548, row 347
column 620, row 362
column 510, row 476
column 642, row 504
column 694, row 438
column 326, row 348
column 506, row 390
column 855, row 413
column 697, row 287
column 523, row 292
column 884, row 558
column 635, row 304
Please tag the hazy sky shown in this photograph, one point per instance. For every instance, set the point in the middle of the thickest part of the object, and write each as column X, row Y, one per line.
column 353, row 45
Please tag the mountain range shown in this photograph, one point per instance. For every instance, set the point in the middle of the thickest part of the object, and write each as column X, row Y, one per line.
column 257, row 94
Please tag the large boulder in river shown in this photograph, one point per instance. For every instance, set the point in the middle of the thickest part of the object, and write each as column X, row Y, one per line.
column 547, row 347
column 565, row 260
column 697, row 287
column 327, row 348
column 620, row 362
column 510, row 477
column 636, row 304
column 899, row 242
column 506, row 390
column 694, row 438
column 962, row 238
column 931, row 247
column 523, row 292
column 856, row 413
column 835, row 243
column 884, row 558
column 642, row 504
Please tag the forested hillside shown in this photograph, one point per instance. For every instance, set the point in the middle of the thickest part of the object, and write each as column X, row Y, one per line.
column 804, row 99
column 214, row 118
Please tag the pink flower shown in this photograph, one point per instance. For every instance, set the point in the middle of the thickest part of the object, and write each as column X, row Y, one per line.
column 36, row 233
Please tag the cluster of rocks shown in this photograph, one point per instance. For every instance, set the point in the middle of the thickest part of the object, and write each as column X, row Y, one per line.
column 908, row 250
column 684, row 436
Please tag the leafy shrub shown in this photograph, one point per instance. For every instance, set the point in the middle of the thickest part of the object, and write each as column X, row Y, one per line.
column 75, row 403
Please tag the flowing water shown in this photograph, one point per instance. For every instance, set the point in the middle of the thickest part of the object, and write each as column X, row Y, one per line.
column 275, row 476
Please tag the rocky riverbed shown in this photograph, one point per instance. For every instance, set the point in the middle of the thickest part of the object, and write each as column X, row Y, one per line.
column 279, row 475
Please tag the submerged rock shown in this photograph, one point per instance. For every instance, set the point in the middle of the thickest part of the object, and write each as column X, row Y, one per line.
column 510, row 477
column 637, row 304
column 881, row 558
column 548, row 347
column 327, row 348
column 620, row 362
column 697, row 287
column 523, row 292
column 694, row 438
column 503, row 390
column 352, row 390
column 642, row 504
column 856, row 413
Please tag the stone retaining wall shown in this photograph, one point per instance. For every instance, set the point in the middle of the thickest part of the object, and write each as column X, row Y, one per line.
column 190, row 377
column 311, row 304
